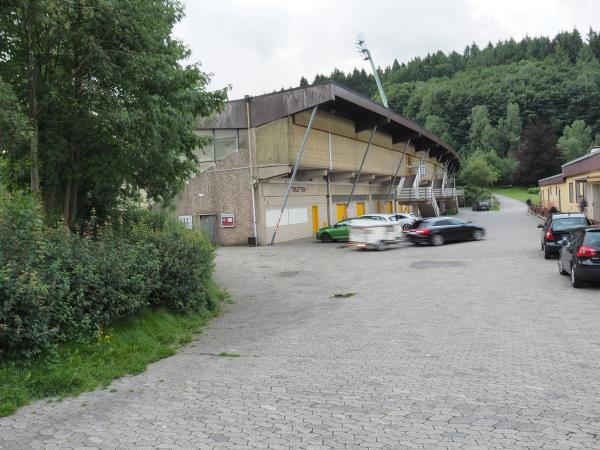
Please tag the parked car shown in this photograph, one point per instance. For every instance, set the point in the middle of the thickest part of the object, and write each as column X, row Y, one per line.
column 580, row 256
column 481, row 206
column 438, row 230
column 337, row 232
column 404, row 220
column 556, row 228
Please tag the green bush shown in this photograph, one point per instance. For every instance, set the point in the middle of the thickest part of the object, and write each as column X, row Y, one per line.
column 57, row 286
column 474, row 194
column 533, row 190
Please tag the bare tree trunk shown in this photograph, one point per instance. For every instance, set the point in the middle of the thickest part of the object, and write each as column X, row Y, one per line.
column 34, row 144
column 73, row 207
column 67, row 202
column 35, row 170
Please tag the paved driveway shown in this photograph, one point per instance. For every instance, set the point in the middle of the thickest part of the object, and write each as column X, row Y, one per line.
column 470, row 345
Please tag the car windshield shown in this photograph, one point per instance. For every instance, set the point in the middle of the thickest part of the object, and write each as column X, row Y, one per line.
column 568, row 223
column 593, row 238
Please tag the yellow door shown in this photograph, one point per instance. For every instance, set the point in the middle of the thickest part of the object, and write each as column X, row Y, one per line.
column 388, row 207
column 379, row 211
column 360, row 209
column 315, row 218
column 341, row 211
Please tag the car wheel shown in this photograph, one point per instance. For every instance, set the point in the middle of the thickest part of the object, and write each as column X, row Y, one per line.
column 477, row 235
column 437, row 240
column 326, row 238
column 575, row 280
column 561, row 269
column 547, row 254
column 406, row 226
column 380, row 246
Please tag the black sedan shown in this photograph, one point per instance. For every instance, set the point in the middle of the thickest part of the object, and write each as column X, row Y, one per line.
column 438, row 230
column 580, row 256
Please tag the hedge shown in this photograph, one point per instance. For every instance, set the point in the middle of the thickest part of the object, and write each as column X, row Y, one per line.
column 58, row 286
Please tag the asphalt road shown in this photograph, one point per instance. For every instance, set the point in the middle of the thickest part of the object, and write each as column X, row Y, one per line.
column 468, row 345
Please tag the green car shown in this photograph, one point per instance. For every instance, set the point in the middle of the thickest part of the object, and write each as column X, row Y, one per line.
column 338, row 232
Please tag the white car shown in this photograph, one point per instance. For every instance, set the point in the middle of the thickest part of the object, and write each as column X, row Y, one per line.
column 403, row 219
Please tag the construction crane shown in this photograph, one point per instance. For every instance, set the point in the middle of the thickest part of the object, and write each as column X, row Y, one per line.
column 364, row 50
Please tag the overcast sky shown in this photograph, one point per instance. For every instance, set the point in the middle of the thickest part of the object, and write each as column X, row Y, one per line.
column 258, row 46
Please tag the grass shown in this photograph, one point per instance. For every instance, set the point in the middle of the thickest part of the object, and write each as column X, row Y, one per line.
column 518, row 193
column 78, row 367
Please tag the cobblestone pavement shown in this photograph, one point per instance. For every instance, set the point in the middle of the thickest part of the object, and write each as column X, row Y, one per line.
column 470, row 345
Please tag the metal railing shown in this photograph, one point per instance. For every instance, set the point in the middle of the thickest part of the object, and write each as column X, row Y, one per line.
column 427, row 194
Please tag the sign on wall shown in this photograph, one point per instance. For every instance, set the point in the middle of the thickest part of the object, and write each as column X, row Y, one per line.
column 228, row 220
column 187, row 222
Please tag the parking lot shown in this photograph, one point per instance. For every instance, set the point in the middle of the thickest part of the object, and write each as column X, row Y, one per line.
column 470, row 345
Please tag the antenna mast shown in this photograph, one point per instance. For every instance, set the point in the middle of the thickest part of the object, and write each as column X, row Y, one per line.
column 362, row 49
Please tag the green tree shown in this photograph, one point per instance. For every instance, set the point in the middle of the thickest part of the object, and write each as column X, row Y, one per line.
column 505, row 166
column 509, row 130
column 439, row 126
column 477, row 171
column 111, row 107
column 575, row 141
column 14, row 134
column 482, row 136
column 303, row 82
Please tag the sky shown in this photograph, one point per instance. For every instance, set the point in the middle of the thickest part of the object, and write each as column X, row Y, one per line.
column 257, row 46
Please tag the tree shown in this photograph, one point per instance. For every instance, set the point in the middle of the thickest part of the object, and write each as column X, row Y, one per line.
column 477, row 171
column 509, row 130
column 15, row 133
column 481, row 134
column 13, row 122
column 538, row 155
column 505, row 166
column 438, row 126
column 575, row 141
column 111, row 107
column 303, row 82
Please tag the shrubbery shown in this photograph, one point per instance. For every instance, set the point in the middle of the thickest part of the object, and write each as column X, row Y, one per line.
column 533, row 190
column 57, row 286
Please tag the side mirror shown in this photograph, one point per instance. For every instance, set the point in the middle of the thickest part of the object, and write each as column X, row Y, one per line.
column 540, row 225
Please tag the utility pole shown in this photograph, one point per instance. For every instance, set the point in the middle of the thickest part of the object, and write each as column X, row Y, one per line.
column 362, row 48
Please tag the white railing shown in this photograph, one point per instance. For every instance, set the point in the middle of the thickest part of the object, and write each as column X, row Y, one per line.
column 427, row 194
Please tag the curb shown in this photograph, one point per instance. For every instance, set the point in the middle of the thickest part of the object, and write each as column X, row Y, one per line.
column 535, row 214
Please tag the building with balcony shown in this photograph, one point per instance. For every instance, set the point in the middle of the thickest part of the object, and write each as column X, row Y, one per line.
column 353, row 145
column 578, row 179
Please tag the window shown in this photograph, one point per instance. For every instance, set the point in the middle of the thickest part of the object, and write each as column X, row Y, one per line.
column 571, row 197
column 206, row 153
column 580, row 189
column 226, row 143
column 223, row 143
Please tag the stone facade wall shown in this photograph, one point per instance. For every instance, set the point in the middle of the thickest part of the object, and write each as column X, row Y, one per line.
column 224, row 189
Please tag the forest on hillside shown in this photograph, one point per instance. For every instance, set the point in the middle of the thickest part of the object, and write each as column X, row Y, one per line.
column 515, row 110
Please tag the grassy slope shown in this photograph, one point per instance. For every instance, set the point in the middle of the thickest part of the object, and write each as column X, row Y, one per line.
column 125, row 348
column 518, row 193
